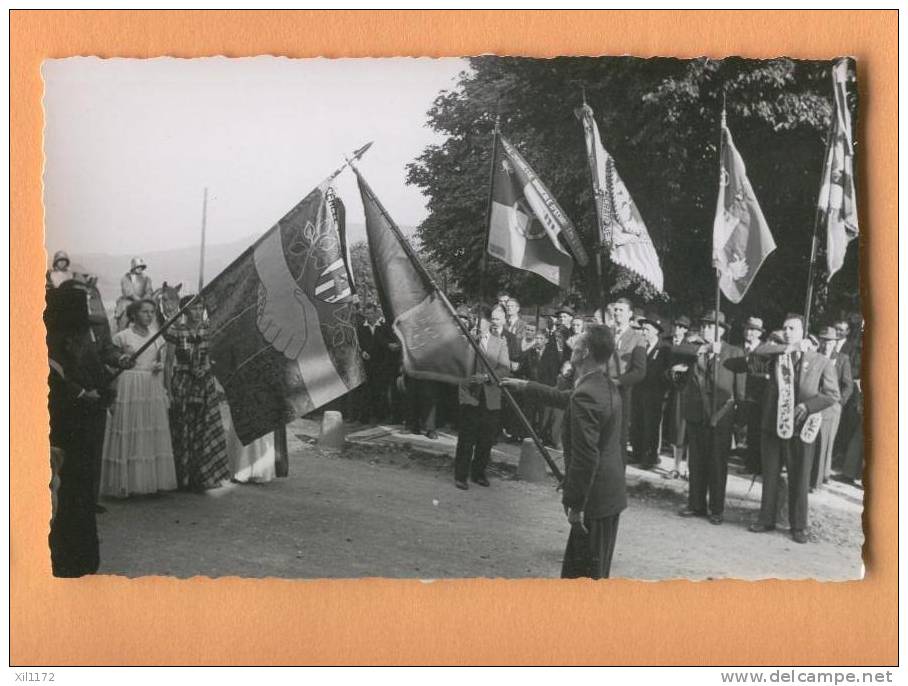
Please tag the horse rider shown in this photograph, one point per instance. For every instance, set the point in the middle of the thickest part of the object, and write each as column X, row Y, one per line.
column 60, row 272
column 135, row 285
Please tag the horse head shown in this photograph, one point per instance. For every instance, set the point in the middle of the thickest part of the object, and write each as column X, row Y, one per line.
column 167, row 299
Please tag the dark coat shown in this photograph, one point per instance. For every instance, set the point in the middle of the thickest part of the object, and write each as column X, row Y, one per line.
column 376, row 344
column 658, row 362
column 698, row 398
column 843, row 370
column 530, row 363
column 591, row 433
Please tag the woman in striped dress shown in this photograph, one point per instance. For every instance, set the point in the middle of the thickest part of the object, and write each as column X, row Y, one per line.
column 199, row 439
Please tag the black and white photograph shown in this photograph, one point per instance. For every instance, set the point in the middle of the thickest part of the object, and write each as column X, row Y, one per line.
column 454, row 318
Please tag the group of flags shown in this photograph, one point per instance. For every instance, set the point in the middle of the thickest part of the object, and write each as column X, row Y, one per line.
column 282, row 316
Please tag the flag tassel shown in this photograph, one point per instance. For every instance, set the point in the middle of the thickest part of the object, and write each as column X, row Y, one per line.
column 405, row 244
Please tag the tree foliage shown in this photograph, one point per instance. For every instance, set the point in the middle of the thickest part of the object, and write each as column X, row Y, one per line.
column 659, row 118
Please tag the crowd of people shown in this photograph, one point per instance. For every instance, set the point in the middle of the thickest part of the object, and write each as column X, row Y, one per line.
column 787, row 402
column 131, row 414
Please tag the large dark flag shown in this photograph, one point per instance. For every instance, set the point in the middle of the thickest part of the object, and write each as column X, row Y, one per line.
column 526, row 221
column 433, row 345
column 621, row 228
column 837, row 202
column 741, row 237
column 283, row 338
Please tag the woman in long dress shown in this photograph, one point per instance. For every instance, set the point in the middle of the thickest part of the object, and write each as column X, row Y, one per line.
column 199, row 440
column 138, row 454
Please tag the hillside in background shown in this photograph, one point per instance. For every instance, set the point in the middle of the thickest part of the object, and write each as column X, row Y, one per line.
column 178, row 265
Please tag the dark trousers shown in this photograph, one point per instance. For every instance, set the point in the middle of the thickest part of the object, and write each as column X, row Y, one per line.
column 798, row 458
column 422, row 399
column 589, row 553
column 478, row 429
column 551, row 419
column 708, row 465
column 95, row 424
column 73, row 535
column 645, row 426
column 627, row 401
column 374, row 396
column 754, row 434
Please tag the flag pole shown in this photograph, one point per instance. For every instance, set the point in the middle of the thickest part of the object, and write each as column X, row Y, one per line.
column 157, row 334
column 715, row 378
column 202, row 249
column 814, row 244
column 414, row 258
column 485, row 246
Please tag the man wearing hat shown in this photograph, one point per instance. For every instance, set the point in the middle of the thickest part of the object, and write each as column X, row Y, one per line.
column 627, row 366
column 649, row 395
column 714, row 387
column 801, row 385
column 822, row 468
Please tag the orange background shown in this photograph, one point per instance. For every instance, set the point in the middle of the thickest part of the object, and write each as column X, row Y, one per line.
column 109, row 620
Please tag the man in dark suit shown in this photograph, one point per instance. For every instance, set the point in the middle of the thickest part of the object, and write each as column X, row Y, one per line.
column 802, row 384
column 757, row 376
column 627, row 367
column 822, row 465
column 649, row 395
column 529, row 369
column 594, row 486
column 713, row 389
column 375, row 341
column 480, row 408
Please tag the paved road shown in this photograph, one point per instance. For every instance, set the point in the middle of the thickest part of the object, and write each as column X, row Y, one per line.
column 387, row 512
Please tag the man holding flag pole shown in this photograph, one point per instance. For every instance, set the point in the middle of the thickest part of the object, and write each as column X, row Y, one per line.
column 715, row 381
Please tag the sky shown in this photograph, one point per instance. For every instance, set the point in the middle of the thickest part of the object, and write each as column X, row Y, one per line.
column 130, row 145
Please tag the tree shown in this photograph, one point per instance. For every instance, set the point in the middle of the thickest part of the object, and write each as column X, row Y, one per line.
column 659, row 118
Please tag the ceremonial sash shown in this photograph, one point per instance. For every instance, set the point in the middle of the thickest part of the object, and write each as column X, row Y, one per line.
column 785, row 377
column 785, row 381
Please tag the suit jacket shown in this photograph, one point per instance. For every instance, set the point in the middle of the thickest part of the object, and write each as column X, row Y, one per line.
column 758, row 369
column 513, row 343
column 843, row 370
column 552, row 360
column 628, row 364
column 591, row 434
column 816, row 384
column 497, row 354
column 700, row 394
column 658, row 361
column 376, row 343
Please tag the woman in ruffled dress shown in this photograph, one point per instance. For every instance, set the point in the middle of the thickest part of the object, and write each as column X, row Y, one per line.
column 138, row 453
column 199, row 439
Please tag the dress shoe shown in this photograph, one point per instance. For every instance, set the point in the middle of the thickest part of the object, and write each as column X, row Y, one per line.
column 432, row 434
column 715, row 519
column 759, row 528
column 100, row 509
column 799, row 535
column 481, row 480
column 687, row 512
column 462, row 485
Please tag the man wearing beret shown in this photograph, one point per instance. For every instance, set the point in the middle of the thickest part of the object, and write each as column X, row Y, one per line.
column 714, row 387
column 649, row 395
column 802, row 384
